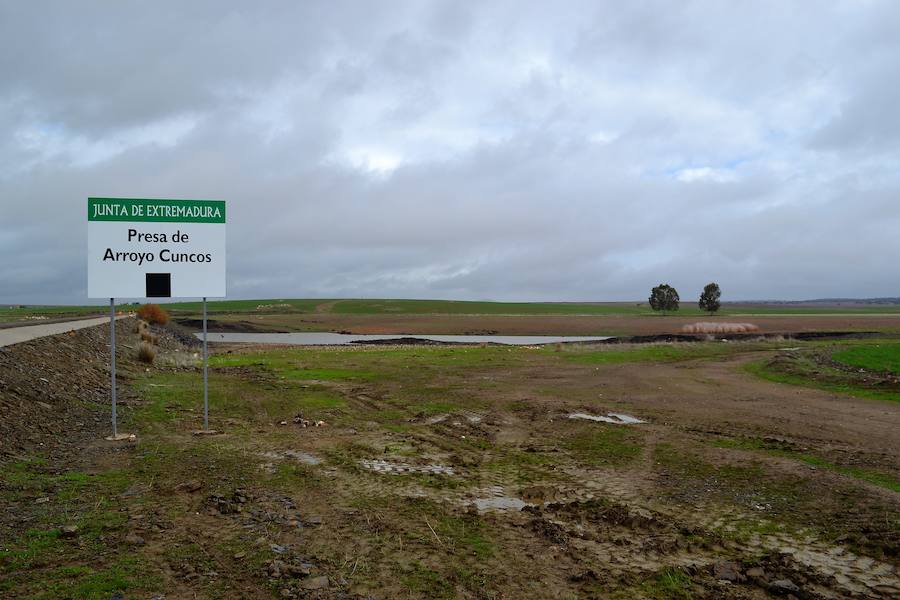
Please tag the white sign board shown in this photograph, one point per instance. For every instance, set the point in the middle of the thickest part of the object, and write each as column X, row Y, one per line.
column 156, row 248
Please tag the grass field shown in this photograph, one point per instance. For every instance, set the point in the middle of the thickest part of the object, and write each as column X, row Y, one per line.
column 880, row 357
column 451, row 307
column 458, row 472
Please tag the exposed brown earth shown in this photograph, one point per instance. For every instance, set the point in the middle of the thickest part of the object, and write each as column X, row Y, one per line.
column 451, row 472
column 539, row 325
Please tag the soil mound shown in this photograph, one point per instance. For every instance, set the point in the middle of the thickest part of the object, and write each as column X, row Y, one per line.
column 54, row 391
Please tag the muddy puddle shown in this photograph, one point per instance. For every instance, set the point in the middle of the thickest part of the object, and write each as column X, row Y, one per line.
column 395, row 468
column 500, row 503
column 615, row 418
column 472, row 418
column 499, row 498
column 303, row 457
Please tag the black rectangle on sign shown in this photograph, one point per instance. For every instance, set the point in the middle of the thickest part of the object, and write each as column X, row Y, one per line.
column 159, row 285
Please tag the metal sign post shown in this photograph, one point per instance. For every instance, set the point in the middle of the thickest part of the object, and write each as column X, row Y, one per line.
column 112, row 362
column 116, row 436
column 205, row 378
column 156, row 248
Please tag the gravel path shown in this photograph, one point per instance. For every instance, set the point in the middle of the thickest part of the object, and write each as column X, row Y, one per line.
column 16, row 335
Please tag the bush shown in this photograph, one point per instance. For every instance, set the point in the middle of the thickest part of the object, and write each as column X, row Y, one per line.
column 141, row 326
column 153, row 313
column 149, row 337
column 146, row 352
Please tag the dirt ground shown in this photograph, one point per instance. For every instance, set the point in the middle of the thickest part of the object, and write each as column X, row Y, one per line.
column 540, row 325
column 445, row 472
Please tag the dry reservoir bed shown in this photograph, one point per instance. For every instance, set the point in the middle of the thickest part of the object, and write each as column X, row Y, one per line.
column 652, row 471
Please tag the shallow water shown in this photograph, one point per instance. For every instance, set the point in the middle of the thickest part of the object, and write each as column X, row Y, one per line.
column 500, row 503
column 616, row 418
column 383, row 466
column 338, row 339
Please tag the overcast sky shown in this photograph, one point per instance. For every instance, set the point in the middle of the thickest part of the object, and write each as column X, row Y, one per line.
column 468, row 150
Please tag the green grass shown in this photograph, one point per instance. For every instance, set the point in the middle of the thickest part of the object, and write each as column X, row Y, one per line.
column 388, row 306
column 249, row 306
column 670, row 584
column 652, row 352
column 837, row 385
column 447, row 307
column 88, row 501
column 178, row 396
column 327, row 375
column 884, row 480
column 876, row 357
column 426, row 582
column 90, row 582
column 601, row 444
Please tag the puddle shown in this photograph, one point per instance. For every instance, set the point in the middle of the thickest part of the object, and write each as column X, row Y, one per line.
column 304, row 457
column 383, row 466
column 495, row 498
column 615, row 418
column 500, row 503
column 471, row 417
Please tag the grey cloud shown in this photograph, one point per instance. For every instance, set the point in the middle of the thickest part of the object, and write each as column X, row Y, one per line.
column 494, row 150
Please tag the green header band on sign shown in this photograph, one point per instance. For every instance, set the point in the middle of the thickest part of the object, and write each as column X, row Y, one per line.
column 160, row 211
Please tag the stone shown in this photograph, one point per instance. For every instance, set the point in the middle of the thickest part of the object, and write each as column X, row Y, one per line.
column 68, row 531
column 782, row 587
column 756, row 573
column 316, row 583
column 133, row 539
column 727, row 571
column 189, row 486
column 276, row 569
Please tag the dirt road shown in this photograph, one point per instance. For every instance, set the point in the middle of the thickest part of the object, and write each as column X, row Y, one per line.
column 16, row 335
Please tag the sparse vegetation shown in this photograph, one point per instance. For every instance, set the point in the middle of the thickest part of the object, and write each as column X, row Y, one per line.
column 499, row 418
column 146, row 352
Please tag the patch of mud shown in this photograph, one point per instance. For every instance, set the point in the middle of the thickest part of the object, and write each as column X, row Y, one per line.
column 500, row 503
column 473, row 418
column 615, row 418
column 825, row 568
column 495, row 498
column 303, row 457
column 839, row 568
column 392, row 468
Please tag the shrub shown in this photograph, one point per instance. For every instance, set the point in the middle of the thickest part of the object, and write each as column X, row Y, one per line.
column 141, row 326
column 146, row 352
column 153, row 313
column 149, row 337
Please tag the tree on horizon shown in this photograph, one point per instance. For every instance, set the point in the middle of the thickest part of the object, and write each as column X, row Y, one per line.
column 709, row 299
column 664, row 298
